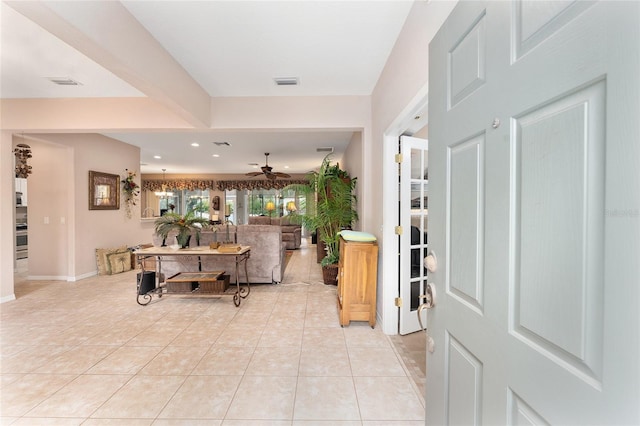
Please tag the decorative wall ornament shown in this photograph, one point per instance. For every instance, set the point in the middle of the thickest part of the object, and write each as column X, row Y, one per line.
column 130, row 190
column 23, row 153
column 104, row 193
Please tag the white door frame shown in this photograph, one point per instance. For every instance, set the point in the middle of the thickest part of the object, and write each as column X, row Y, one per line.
column 389, row 251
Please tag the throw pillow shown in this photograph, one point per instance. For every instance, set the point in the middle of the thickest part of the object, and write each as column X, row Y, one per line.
column 101, row 259
column 119, row 262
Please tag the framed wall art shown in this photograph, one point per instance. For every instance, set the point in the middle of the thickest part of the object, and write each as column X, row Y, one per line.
column 104, row 192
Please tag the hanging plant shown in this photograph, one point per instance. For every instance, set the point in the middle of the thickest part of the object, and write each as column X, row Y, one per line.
column 131, row 190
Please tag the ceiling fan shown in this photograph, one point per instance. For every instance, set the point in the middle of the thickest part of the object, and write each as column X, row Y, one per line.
column 267, row 171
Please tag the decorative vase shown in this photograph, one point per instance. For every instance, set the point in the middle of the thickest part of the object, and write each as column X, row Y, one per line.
column 330, row 274
column 183, row 240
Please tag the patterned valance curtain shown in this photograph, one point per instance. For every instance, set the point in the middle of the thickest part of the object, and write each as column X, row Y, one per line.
column 178, row 184
column 223, row 185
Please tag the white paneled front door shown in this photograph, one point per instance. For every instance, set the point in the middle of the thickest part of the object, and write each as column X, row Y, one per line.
column 534, row 214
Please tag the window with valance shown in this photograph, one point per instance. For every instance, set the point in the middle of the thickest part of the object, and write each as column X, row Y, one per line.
column 221, row 185
column 177, row 184
column 224, row 185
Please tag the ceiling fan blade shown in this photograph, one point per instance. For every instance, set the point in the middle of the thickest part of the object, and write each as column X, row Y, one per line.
column 268, row 171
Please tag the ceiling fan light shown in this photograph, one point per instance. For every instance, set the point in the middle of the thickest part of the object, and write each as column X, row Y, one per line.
column 267, row 170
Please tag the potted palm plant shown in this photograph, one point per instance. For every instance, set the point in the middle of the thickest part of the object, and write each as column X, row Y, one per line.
column 334, row 210
column 185, row 226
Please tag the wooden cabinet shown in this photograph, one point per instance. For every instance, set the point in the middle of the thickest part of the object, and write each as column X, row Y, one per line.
column 357, row 281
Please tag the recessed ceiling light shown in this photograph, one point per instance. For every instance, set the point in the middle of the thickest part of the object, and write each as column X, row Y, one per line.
column 286, row 167
column 195, row 144
column 216, row 155
column 157, row 157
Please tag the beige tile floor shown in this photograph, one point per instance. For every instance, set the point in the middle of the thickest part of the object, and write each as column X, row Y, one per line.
column 85, row 353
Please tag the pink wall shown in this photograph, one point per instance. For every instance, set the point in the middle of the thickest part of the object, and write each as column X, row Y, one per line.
column 88, row 114
column 58, row 190
column 296, row 112
column 352, row 163
column 48, row 207
column 406, row 73
column 7, row 217
column 402, row 83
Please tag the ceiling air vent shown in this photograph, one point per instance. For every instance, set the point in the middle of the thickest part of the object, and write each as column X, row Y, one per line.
column 64, row 81
column 325, row 149
column 222, row 143
column 286, row 81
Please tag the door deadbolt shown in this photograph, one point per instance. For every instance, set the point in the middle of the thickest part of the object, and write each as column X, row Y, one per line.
column 431, row 262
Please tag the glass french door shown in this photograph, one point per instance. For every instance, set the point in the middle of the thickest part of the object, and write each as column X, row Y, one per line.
column 413, row 214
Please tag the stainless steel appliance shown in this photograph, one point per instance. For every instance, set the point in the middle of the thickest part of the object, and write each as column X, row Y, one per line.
column 22, row 246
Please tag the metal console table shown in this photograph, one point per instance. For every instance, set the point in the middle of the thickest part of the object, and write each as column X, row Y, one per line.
column 196, row 253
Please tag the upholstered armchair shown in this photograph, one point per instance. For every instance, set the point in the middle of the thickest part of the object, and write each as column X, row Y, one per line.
column 291, row 233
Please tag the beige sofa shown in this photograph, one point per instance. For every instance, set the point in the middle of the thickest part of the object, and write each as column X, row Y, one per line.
column 291, row 232
column 265, row 264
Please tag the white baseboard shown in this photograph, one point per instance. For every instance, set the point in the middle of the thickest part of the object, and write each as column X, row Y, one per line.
column 83, row 276
column 8, row 298
column 61, row 277
column 46, row 278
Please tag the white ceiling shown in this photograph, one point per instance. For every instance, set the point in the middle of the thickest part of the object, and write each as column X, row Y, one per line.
column 230, row 48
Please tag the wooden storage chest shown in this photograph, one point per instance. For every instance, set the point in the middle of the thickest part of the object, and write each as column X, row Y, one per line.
column 357, row 281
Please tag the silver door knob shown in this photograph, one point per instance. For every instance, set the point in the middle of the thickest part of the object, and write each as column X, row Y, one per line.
column 421, row 308
column 429, row 302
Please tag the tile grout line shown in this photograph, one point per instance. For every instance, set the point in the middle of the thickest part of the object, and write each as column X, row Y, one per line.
column 406, row 371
